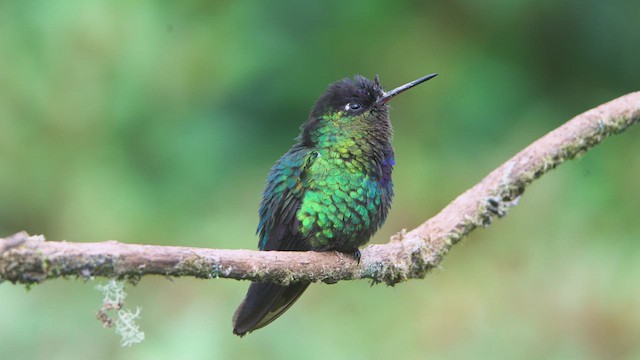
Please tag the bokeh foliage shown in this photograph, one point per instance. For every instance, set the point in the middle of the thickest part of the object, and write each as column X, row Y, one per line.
column 157, row 123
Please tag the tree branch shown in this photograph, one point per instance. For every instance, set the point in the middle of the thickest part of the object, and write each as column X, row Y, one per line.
column 28, row 259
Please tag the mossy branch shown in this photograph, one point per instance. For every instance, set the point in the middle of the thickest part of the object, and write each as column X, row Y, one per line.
column 27, row 259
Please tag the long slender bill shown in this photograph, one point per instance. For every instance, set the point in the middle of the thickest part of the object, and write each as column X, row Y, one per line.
column 390, row 94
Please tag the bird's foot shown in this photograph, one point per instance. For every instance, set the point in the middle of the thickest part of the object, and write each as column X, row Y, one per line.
column 357, row 255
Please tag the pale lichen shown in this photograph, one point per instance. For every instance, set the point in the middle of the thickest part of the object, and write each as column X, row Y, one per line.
column 125, row 319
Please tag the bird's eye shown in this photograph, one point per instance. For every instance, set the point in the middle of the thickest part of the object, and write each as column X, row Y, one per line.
column 353, row 106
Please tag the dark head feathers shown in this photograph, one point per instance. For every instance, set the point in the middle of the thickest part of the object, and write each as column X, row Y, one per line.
column 359, row 90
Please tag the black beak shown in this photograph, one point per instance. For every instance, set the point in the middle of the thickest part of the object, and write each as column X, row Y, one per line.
column 390, row 94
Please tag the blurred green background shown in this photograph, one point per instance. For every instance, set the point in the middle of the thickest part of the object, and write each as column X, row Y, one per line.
column 157, row 122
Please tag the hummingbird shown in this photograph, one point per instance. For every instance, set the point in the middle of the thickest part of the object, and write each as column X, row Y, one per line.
column 330, row 192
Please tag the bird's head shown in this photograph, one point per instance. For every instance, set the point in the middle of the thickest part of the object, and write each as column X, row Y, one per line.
column 353, row 104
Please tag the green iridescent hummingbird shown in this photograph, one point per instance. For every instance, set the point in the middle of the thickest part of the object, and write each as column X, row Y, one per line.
column 331, row 191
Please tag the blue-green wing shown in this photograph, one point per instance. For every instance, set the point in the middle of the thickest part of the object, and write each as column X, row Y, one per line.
column 278, row 227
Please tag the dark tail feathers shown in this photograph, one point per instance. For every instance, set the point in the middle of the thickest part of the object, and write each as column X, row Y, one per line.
column 264, row 303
